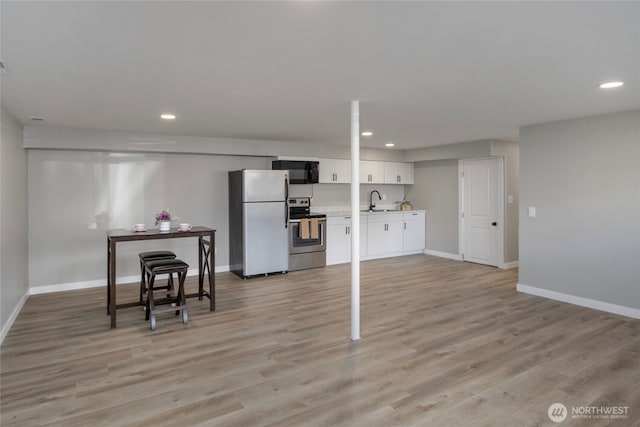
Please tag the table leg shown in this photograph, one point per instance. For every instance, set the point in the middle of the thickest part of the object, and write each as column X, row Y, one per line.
column 108, row 277
column 200, row 267
column 212, row 270
column 112, row 282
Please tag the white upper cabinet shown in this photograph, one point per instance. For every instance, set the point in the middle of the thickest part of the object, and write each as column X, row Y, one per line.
column 338, row 171
column 371, row 172
column 334, row 171
column 398, row 173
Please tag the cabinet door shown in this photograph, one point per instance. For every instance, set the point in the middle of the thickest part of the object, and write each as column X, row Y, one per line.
column 376, row 169
column 342, row 171
column 376, row 238
column 398, row 173
column 406, row 173
column 414, row 237
column 325, row 171
column 384, row 238
column 371, row 172
column 392, row 172
column 338, row 244
column 365, row 174
column 394, row 237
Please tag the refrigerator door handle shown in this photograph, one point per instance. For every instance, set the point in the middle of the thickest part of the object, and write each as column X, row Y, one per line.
column 286, row 201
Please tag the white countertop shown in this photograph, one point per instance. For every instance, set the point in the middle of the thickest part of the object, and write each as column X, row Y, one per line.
column 346, row 210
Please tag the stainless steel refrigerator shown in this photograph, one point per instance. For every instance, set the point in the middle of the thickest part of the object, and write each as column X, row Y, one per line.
column 258, row 222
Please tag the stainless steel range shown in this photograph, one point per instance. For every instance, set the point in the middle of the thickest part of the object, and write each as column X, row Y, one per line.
column 307, row 235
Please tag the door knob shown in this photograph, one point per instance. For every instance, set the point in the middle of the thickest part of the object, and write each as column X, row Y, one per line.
column 494, row 224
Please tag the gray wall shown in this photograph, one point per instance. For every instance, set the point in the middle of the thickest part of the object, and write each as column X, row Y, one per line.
column 13, row 216
column 88, row 192
column 583, row 177
column 461, row 150
column 75, row 196
column 45, row 137
column 436, row 190
column 510, row 151
column 327, row 195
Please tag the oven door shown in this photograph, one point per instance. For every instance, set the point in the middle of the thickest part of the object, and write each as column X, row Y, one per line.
column 298, row 245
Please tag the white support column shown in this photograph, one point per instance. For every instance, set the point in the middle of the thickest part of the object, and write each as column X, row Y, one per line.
column 355, row 220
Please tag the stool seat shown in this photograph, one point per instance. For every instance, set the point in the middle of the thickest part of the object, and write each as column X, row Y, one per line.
column 177, row 301
column 165, row 265
column 151, row 256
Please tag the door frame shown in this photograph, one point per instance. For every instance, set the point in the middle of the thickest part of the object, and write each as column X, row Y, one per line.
column 501, row 209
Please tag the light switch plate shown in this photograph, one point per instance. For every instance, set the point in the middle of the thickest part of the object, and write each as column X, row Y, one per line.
column 532, row 211
column 510, row 199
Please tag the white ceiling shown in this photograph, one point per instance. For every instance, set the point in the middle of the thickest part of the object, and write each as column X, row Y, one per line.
column 426, row 73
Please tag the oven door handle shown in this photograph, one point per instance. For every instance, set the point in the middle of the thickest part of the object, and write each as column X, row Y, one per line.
column 320, row 220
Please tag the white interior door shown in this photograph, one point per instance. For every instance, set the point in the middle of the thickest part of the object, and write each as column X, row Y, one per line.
column 482, row 211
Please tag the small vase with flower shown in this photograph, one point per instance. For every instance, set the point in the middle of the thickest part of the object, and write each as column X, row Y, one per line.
column 163, row 220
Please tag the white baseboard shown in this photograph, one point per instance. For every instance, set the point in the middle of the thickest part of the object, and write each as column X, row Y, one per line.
column 584, row 302
column 35, row 290
column 12, row 318
column 508, row 265
column 443, row 254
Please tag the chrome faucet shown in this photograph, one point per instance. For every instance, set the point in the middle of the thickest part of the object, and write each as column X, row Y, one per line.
column 371, row 205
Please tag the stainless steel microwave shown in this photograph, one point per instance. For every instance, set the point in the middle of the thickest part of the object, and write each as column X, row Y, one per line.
column 300, row 171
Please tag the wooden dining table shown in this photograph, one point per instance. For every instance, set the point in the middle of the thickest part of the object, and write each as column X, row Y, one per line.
column 206, row 261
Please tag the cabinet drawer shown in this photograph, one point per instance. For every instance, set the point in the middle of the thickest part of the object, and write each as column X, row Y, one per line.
column 414, row 216
column 338, row 220
column 384, row 217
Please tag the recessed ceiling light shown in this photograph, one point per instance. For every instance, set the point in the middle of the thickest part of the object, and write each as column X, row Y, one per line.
column 366, row 133
column 168, row 116
column 389, row 144
column 610, row 85
column 37, row 119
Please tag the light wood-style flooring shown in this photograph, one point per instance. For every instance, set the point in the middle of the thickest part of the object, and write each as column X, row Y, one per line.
column 444, row 343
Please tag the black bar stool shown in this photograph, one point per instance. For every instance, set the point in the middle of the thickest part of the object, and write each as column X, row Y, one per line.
column 152, row 256
column 177, row 301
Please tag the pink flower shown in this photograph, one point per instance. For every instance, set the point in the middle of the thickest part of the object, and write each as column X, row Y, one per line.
column 163, row 215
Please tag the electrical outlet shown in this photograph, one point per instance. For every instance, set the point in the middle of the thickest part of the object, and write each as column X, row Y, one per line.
column 532, row 211
column 215, row 250
column 384, row 196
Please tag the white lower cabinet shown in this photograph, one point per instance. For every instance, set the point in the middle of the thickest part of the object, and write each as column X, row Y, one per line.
column 381, row 234
column 384, row 233
column 414, row 231
column 339, row 238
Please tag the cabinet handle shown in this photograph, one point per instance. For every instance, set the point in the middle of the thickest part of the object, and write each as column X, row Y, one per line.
column 397, row 178
column 405, row 225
